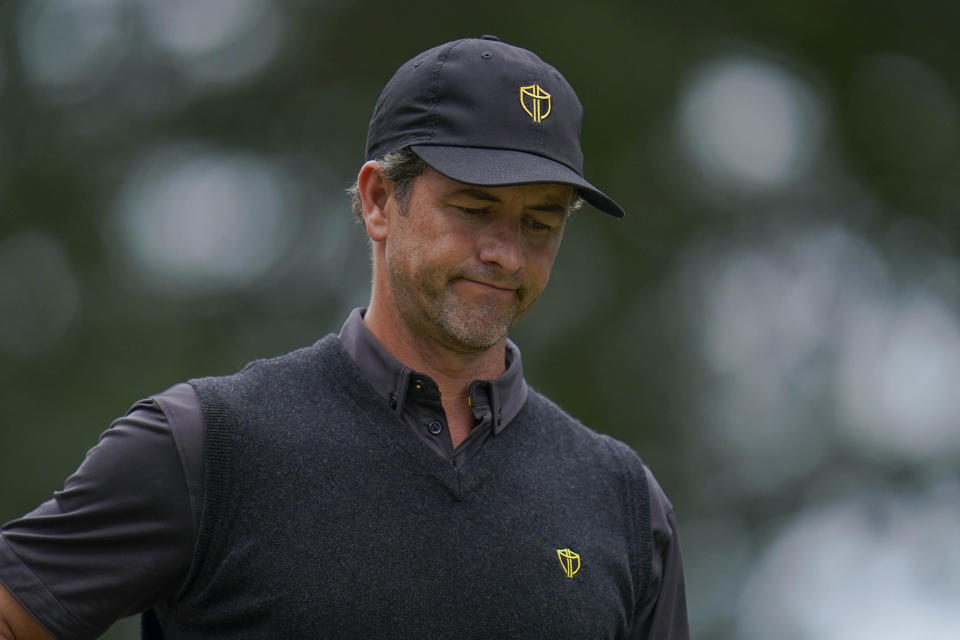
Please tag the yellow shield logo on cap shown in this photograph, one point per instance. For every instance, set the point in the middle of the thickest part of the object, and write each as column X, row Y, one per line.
column 535, row 101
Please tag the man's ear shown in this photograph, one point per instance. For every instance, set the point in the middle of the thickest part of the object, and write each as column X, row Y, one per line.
column 376, row 191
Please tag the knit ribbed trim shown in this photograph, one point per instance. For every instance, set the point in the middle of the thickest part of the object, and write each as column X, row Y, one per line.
column 217, row 445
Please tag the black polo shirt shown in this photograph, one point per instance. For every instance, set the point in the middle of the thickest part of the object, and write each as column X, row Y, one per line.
column 415, row 397
column 119, row 536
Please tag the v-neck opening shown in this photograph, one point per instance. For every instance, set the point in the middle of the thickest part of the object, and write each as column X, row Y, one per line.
column 459, row 481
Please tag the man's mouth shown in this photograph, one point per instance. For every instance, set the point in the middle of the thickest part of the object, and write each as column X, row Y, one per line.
column 492, row 286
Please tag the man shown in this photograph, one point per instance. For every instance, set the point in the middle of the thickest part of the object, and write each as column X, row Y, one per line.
column 399, row 479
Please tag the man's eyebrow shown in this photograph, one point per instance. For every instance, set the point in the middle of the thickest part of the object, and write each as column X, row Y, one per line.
column 550, row 207
column 480, row 194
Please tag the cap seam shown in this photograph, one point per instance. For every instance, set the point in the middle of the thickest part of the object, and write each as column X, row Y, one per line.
column 435, row 90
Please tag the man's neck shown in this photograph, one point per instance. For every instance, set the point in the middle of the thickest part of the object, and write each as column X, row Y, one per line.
column 453, row 370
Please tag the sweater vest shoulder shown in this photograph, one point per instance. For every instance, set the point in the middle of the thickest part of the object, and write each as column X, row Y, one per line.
column 325, row 516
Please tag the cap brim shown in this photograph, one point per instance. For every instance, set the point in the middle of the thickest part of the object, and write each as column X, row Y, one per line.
column 505, row 167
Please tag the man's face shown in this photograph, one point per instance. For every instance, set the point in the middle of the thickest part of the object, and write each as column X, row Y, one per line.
column 465, row 263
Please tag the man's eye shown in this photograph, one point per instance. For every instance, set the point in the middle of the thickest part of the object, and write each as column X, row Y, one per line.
column 536, row 225
column 472, row 212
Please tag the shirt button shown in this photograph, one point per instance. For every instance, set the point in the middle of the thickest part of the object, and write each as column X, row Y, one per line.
column 435, row 428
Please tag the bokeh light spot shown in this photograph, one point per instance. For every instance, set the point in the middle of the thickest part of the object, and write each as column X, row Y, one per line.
column 747, row 124
column 899, row 375
column 812, row 335
column 69, row 47
column 194, row 221
column 763, row 314
column 877, row 567
column 216, row 41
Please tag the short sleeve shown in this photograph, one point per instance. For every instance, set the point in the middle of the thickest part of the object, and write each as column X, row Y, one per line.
column 118, row 538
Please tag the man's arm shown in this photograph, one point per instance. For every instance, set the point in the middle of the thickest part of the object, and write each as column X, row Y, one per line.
column 664, row 615
column 116, row 540
column 15, row 622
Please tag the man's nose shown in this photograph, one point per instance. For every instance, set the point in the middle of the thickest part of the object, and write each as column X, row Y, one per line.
column 501, row 244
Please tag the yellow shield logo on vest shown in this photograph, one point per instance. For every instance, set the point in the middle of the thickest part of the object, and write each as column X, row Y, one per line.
column 535, row 101
column 570, row 561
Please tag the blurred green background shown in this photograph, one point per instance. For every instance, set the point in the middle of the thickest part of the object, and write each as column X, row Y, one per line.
column 775, row 325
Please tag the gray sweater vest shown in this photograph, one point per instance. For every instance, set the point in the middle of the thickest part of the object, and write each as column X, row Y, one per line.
column 326, row 517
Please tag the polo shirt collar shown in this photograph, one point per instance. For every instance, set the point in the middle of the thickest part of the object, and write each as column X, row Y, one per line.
column 504, row 395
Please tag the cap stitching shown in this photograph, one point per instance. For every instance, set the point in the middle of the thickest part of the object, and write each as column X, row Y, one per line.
column 435, row 89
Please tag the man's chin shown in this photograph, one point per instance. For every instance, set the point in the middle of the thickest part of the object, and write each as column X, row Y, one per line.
column 477, row 334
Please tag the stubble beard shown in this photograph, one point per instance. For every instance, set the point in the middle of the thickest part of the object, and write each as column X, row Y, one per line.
column 432, row 308
column 474, row 328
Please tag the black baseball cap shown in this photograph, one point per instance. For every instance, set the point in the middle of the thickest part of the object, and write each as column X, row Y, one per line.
column 485, row 112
